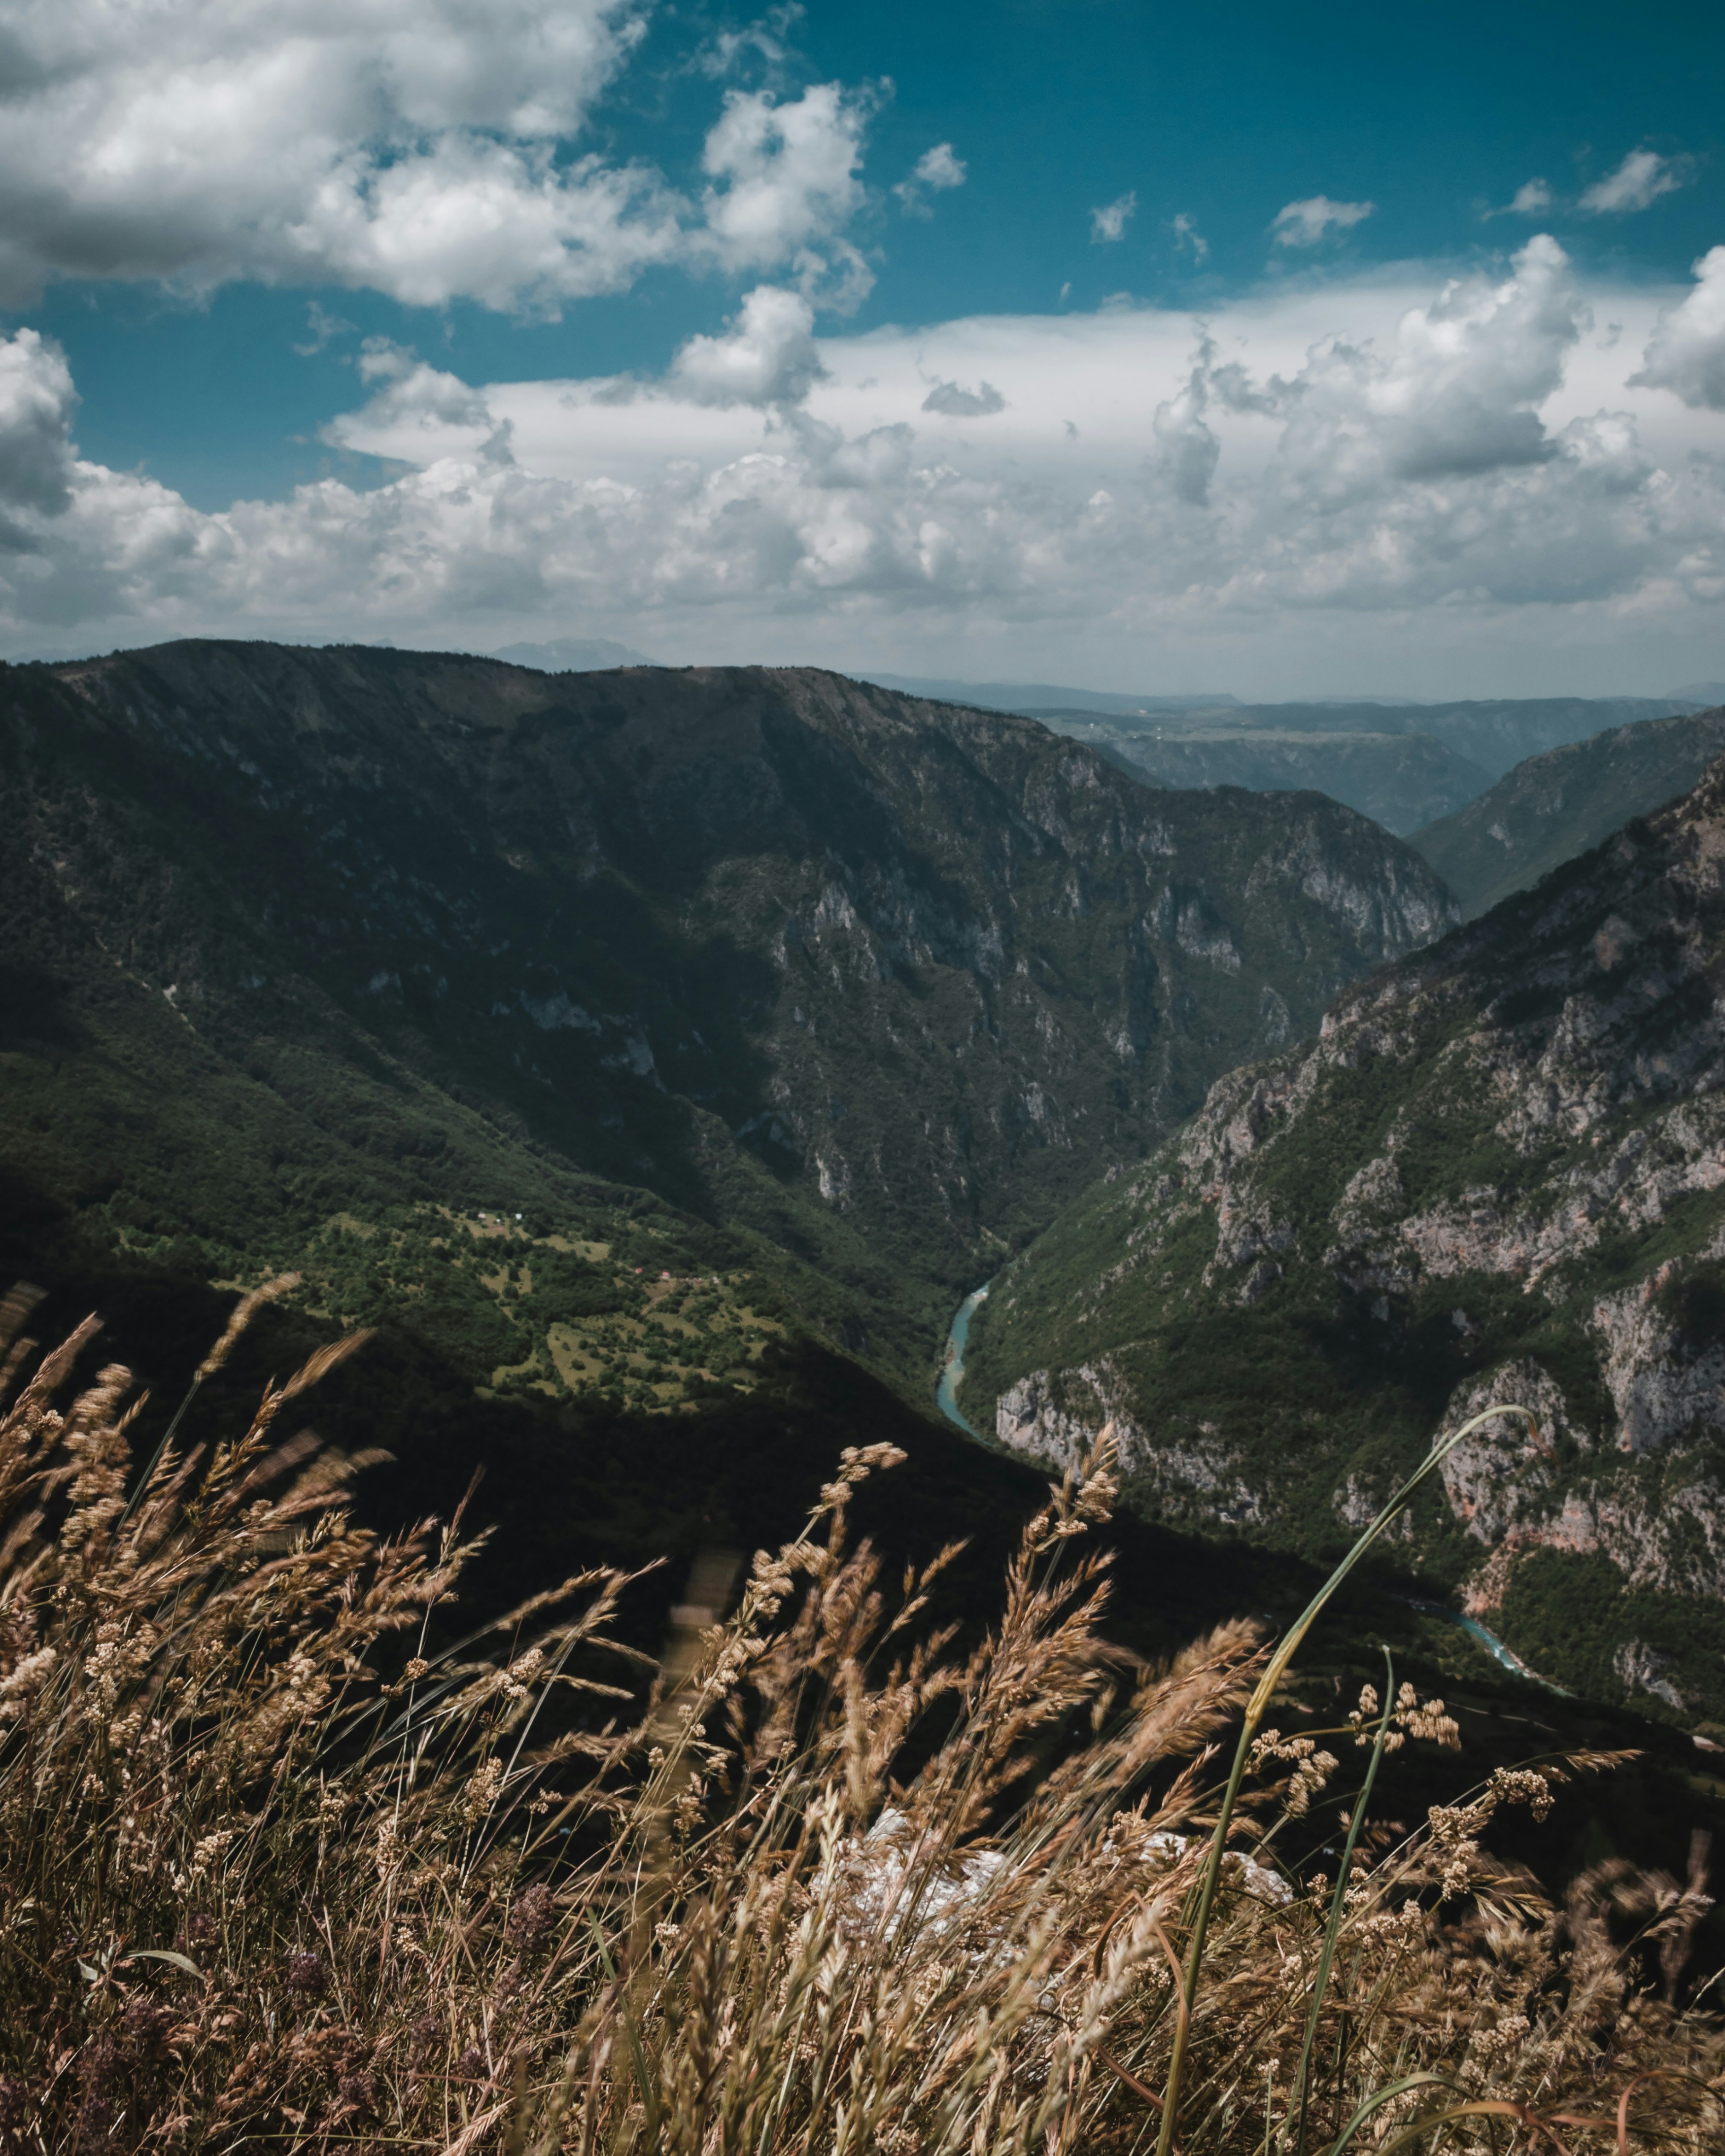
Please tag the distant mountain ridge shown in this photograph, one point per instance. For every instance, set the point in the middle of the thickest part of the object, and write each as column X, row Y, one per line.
column 1400, row 780
column 1029, row 699
column 878, row 981
column 1404, row 764
column 572, row 654
column 1554, row 806
column 1498, row 1175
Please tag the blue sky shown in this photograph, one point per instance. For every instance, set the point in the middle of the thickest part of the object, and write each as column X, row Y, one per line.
column 1327, row 354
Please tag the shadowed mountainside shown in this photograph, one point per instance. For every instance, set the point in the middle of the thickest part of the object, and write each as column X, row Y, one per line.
column 879, row 981
column 428, row 977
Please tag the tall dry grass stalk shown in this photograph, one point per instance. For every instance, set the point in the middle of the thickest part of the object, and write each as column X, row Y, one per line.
column 272, row 1876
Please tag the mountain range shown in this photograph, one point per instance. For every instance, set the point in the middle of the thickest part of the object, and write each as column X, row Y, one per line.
column 1404, row 764
column 879, row 983
column 655, row 1056
column 1497, row 1173
column 1554, row 806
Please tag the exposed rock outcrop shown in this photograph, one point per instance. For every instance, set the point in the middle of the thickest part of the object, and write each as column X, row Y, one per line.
column 1498, row 1173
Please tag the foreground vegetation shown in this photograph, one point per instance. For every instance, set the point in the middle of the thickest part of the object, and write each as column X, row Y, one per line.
column 282, row 1866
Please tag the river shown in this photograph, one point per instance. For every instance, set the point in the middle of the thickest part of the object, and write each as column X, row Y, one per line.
column 1490, row 1642
column 945, row 1393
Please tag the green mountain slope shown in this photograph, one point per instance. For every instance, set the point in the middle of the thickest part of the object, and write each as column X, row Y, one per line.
column 1555, row 806
column 213, row 852
column 879, row 983
column 1499, row 1173
column 1400, row 780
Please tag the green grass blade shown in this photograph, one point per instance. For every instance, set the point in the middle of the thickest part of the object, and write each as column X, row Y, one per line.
column 1256, row 1706
column 1333, row 1930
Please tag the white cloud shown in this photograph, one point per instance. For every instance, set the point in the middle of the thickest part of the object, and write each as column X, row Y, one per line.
column 1638, row 183
column 769, row 355
column 36, row 404
column 1109, row 222
column 934, row 171
column 1304, row 224
column 430, row 149
column 421, row 404
column 1187, row 235
column 1686, row 352
column 1186, row 451
column 1532, row 198
column 1458, row 392
column 325, row 328
column 784, row 174
column 729, row 50
column 1437, row 461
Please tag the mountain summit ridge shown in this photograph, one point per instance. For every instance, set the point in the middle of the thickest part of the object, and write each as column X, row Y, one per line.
column 881, row 980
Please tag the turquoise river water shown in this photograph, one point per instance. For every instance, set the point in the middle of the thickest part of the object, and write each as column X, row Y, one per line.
column 946, row 1394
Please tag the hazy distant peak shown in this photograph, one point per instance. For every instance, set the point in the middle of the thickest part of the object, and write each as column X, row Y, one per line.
column 1033, row 697
column 572, row 654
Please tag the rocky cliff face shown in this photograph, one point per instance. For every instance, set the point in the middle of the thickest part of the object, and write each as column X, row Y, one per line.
column 1499, row 1173
column 884, row 979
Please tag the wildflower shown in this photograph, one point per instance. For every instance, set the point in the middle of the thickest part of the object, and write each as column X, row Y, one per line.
column 531, row 1919
column 516, row 1682
column 482, row 1791
column 208, row 1850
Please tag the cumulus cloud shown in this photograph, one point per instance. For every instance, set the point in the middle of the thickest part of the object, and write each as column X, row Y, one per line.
column 1532, row 198
column 1109, row 222
column 421, row 404
column 767, row 357
column 37, row 401
column 783, row 176
column 953, row 403
column 1458, row 392
column 430, row 149
column 1351, row 451
column 1637, row 183
column 1687, row 353
column 934, row 171
column 1304, row 224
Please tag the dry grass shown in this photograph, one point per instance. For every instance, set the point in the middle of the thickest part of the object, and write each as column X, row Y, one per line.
column 270, row 1878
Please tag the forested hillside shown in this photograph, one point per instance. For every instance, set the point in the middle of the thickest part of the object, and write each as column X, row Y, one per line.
column 880, row 983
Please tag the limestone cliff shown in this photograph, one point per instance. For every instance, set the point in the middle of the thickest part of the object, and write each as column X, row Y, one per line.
column 1498, row 1172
